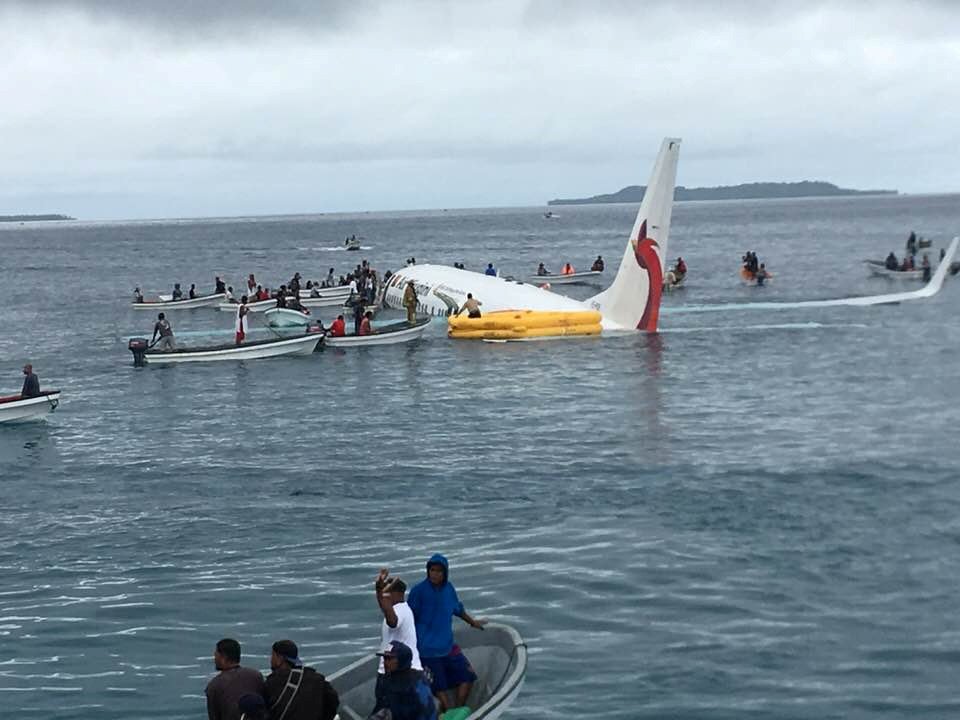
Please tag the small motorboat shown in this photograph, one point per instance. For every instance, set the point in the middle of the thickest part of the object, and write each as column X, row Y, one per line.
column 878, row 268
column 286, row 317
column 17, row 408
column 587, row 277
column 498, row 656
column 392, row 334
column 255, row 350
column 256, row 307
column 185, row 304
column 352, row 243
column 549, row 215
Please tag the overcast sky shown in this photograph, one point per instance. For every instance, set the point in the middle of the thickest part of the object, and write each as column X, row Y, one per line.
column 181, row 108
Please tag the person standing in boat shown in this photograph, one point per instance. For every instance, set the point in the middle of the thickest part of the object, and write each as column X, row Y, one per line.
column 472, row 306
column 31, row 383
column 137, row 295
column 295, row 692
column 231, row 683
column 331, row 280
column 241, row 323
column 402, row 692
column 912, row 244
column 410, row 302
column 177, row 292
column 925, row 266
column 162, row 329
column 220, row 287
column 282, row 297
column 251, row 285
column 365, row 327
column 435, row 603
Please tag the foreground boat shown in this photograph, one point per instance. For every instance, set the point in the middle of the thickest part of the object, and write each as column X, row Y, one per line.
column 578, row 278
column 286, row 318
column 255, row 350
column 498, row 656
column 392, row 334
column 16, row 408
column 186, row 304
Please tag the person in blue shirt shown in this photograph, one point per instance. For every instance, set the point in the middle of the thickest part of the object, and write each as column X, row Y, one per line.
column 491, row 270
column 402, row 690
column 434, row 603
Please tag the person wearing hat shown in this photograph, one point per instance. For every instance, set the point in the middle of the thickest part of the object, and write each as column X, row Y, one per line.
column 435, row 603
column 398, row 623
column 403, row 691
column 295, row 692
column 231, row 684
column 410, row 302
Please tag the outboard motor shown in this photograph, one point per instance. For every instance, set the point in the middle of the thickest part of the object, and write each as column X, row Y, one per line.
column 138, row 346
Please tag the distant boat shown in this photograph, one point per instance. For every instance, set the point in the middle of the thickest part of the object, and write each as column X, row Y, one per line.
column 16, row 408
column 497, row 654
column 879, row 268
column 549, row 215
column 352, row 243
column 586, row 277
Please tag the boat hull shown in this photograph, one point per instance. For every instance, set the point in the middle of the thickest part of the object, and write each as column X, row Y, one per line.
column 188, row 304
column 878, row 269
column 387, row 335
column 327, row 301
column 299, row 345
column 16, row 408
column 580, row 278
column 259, row 306
column 284, row 317
column 498, row 656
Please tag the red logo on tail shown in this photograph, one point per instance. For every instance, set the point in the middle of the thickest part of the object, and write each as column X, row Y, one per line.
column 645, row 249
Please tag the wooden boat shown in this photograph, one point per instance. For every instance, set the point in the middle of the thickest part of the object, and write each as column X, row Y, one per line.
column 255, row 350
column 16, row 408
column 878, row 268
column 498, row 656
column 186, row 304
column 587, row 277
column 286, row 317
column 392, row 334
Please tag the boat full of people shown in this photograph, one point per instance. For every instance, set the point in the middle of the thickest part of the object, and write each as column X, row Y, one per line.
column 498, row 656
column 18, row 408
column 182, row 304
column 254, row 350
column 392, row 334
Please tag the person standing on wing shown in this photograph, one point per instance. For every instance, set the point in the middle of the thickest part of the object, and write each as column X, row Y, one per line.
column 434, row 603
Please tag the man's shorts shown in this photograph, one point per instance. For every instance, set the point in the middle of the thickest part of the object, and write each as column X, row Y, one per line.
column 448, row 671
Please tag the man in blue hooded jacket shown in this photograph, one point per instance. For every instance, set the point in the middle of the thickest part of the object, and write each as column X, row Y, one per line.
column 434, row 603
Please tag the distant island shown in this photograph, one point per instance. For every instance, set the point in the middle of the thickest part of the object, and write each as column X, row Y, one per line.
column 32, row 218
column 747, row 191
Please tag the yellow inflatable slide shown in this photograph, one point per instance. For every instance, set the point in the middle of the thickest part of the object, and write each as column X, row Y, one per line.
column 519, row 324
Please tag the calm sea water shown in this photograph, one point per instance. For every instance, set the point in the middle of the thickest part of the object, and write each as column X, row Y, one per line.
column 751, row 514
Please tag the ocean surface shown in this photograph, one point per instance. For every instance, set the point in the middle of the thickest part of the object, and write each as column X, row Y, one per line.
column 751, row 514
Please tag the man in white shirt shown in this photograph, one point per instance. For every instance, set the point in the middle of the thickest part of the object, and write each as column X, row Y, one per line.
column 398, row 623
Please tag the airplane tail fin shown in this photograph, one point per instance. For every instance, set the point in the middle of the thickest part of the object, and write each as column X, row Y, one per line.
column 633, row 298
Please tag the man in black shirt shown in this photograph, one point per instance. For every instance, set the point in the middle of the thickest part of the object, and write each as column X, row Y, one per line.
column 231, row 683
column 31, row 383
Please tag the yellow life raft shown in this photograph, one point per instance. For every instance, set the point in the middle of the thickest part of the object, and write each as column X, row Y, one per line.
column 517, row 324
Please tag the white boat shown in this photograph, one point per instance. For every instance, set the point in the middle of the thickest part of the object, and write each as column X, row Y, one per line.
column 285, row 317
column 879, row 269
column 186, row 304
column 392, row 334
column 587, row 277
column 337, row 291
column 328, row 301
column 498, row 656
column 259, row 306
column 255, row 350
column 16, row 408
column 352, row 243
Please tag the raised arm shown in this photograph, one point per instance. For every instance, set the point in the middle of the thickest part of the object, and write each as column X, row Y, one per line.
column 382, row 589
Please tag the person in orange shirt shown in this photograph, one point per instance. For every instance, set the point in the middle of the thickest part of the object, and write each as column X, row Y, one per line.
column 568, row 269
column 365, row 327
column 338, row 328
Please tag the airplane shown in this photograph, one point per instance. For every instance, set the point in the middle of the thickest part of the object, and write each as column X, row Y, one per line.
column 631, row 302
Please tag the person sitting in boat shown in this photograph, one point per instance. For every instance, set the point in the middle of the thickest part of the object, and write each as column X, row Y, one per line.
column 338, row 328
column 542, row 270
column 598, row 264
column 262, row 293
column 193, row 291
column 491, row 270
column 331, row 280
column 137, row 295
column 177, row 292
column 365, row 327
column 295, row 284
column 472, row 306
column 240, row 325
column 220, row 287
column 402, row 690
column 282, row 297
column 295, row 692
column 567, row 269
column 229, row 295
column 680, row 269
column 31, row 383
column 925, row 266
column 435, row 603
column 162, row 329
column 891, row 262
